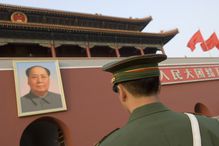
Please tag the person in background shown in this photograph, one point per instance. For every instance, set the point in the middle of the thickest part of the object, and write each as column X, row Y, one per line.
column 137, row 84
column 39, row 96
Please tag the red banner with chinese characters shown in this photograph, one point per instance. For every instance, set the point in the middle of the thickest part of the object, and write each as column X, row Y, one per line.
column 188, row 73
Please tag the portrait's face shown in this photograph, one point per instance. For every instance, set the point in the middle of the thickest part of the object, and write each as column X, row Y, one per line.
column 38, row 81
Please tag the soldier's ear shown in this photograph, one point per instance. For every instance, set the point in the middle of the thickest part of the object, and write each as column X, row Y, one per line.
column 122, row 93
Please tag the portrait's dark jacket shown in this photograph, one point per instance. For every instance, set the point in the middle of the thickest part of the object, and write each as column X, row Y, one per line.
column 31, row 102
column 156, row 125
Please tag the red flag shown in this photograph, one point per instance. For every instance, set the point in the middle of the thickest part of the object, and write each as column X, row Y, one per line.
column 210, row 43
column 217, row 46
column 196, row 38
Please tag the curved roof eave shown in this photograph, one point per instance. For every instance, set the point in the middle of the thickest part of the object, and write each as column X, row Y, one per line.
column 168, row 35
column 165, row 36
column 68, row 13
column 149, row 19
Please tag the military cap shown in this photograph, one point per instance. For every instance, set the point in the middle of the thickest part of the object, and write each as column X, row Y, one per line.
column 135, row 67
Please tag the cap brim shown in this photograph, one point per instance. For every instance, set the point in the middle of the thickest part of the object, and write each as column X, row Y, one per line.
column 144, row 59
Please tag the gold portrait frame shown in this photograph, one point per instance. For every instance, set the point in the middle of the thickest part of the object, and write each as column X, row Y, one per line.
column 54, row 97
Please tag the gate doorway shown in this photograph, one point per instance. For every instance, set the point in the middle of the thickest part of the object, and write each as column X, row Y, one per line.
column 202, row 109
column 43, row 132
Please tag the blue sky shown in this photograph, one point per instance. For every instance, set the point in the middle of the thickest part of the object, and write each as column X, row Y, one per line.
column 187, row 15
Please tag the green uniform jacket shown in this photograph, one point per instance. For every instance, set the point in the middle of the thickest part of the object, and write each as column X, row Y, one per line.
column 156, row 125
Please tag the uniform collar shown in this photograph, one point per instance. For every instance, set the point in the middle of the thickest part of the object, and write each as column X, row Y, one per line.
column 36, row 99
column 35, row 96
column 147, row 110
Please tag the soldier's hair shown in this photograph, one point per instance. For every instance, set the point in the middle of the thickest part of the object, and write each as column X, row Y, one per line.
column 28, row 70
column 143, row 87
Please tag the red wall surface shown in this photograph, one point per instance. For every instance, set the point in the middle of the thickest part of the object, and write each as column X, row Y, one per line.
column 93, row 109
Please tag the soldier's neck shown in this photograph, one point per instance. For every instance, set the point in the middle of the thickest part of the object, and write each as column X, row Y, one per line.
column 141, row 101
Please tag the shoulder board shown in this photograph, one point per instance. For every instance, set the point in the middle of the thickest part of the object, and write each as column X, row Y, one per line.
column 97, row 144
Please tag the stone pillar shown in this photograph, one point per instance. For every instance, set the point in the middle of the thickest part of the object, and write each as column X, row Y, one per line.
column 86, row 46
column 116, row 48
column 88, row 51
column 52, row 47
column 142, row 51
column 117, row 52
column 141, row 48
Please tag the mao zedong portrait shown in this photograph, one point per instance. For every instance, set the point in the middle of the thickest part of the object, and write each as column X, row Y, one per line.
column 39, row 96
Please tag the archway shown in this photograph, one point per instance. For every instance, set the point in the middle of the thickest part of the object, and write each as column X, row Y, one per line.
column 43, row 132
column 202, row 109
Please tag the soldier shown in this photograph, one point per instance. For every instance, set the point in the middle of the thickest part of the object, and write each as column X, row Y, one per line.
column 136, row 80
